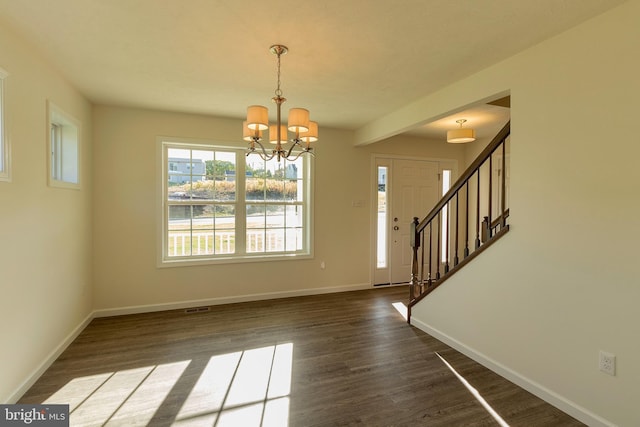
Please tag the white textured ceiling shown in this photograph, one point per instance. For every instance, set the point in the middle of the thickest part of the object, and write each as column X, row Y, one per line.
column 350, row 61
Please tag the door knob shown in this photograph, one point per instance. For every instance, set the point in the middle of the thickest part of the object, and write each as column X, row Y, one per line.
column 395, row 227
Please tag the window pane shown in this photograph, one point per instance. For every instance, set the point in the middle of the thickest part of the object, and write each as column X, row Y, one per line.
column 255, row 188
column 274, row 240
column 255, row 178
column 179, row 231
column 293, row 239
column 225, row 190
column 203, row 155
column 225, row 223
column 221, row 174
column 294, row 216
column 179, row 152
column 276, row 182
column 256, row 228
column 202, row 217
column 256, row 216
column 255, row 241
column 293, row 190
column 179, row 243
column 202, row 243
column 381, row 247
column 63, row 147
column 56, row 148
column 294, row 169
column 225, row 217
column 275, row 190
column 201, row 189
column 275, row 216
column 223, row 167
column 225, row 241
column 179, row 187
column 294, row 183
column 177, row 191
column 179, row 217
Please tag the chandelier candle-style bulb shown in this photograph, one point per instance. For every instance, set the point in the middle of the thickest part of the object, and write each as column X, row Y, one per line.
column 298, row 120
column 257, row 117
column 250, row 134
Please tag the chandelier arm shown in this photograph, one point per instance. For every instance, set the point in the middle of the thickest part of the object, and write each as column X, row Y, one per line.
column 300, row 153
column 296, row 157
column 295, row 143
column 264, row 154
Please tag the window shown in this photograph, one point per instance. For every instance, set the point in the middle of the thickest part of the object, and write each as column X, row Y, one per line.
column 381, row 248
column 220, row 205
column 62, row 148
column 4, row 143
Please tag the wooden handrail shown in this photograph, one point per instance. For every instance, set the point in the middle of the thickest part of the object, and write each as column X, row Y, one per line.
column 444, row 229
column 467, row 174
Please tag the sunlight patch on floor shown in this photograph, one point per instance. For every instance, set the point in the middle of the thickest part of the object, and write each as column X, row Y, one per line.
column 247, row 388
column 475, row 393
column 402, row 309
column 130, row 397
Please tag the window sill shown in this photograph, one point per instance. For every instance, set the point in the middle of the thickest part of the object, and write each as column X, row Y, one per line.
column 189, row 262
column 54, row 183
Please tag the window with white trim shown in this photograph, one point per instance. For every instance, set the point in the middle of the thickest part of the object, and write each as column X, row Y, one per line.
column 4, row 143
column 62, row 146
column 220, row 205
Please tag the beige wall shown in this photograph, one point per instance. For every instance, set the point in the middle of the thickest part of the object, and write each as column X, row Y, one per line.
column 126, row 214
column 45, row 233
column 541, row 303
column 563, row 284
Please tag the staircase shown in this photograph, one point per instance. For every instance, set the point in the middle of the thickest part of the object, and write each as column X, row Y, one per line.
column 468, row 219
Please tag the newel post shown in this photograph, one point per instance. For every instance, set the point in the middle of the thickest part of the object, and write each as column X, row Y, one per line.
column 415, row 244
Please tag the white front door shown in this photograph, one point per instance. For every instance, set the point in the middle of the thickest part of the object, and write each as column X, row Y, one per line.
column 415, row 189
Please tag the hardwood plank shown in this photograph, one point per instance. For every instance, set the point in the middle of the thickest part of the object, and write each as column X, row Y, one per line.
column 354, row 361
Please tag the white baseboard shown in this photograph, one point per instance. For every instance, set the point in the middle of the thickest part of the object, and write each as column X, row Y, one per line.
column 565, row 405
column 225, row 300
column 51, row 357
column 46, row 363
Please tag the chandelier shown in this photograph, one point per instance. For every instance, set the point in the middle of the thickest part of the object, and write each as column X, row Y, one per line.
column 304, row 131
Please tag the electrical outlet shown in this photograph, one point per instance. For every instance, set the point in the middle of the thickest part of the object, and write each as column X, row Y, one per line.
column 607, row 363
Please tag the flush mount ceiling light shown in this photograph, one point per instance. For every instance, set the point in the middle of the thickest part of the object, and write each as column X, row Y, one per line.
column 460, row 135
column 305, row 131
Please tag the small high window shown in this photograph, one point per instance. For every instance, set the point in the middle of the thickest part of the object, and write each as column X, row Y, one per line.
column 63, row 144
column 4, row 144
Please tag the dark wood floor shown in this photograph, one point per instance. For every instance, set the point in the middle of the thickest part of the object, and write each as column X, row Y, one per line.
column 327, row 360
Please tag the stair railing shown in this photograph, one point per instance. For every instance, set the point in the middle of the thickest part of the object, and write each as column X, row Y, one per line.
column 471, row 216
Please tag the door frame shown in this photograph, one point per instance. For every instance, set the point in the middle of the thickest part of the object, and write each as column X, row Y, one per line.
column 382, row 276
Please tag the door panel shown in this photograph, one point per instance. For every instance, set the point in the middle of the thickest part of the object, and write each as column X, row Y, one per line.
column 414, row 191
